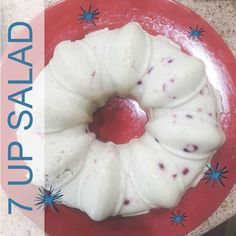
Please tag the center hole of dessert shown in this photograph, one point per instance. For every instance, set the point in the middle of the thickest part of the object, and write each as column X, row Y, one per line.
column 119, row 121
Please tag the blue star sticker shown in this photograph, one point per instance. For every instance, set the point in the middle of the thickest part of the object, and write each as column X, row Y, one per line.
column 215, row 175
column 178, row 219
column 88, row 16
column 48, row 198
column 196, row 33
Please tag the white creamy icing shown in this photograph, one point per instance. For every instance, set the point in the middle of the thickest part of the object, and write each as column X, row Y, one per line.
column 104, row 179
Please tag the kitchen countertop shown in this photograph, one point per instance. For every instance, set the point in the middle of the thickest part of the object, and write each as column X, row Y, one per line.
column 221, row 14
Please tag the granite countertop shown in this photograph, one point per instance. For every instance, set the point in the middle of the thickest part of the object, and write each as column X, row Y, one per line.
column 221, row 14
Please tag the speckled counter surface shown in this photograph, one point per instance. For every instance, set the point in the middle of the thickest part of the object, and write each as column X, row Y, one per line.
column 221, row 14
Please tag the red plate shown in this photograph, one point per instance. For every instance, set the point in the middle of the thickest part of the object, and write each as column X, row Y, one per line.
column 174, row 20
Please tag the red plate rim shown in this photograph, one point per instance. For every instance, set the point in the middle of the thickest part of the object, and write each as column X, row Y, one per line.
column 158, row 222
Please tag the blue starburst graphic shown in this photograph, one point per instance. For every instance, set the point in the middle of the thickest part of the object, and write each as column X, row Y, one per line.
column 89, row 16
column 196, row 33
column 215, row 175
column 178, row 218
column 48, row 198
